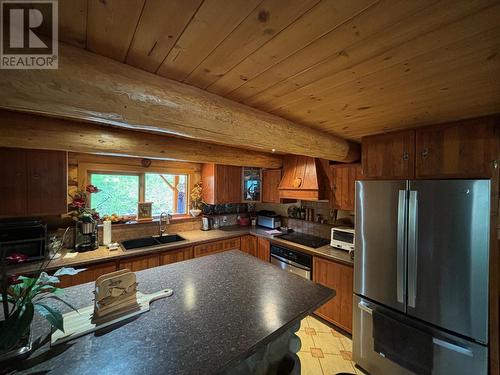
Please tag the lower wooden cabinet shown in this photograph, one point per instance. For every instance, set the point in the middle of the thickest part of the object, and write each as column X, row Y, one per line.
column 249, row 244
column 139, row 263
column 174, row 256
column 91, row 273
column 216, row 247
column 263, row 249
column 339, row 277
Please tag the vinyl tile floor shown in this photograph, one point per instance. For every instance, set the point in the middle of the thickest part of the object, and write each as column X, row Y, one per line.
column 324, row 351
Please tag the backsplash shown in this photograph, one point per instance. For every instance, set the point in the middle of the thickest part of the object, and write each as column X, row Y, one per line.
column 309, row 227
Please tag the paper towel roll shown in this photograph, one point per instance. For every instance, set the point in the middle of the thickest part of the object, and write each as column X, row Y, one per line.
column 106, row 232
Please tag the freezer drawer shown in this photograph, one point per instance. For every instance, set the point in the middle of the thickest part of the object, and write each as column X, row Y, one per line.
column 451, row 354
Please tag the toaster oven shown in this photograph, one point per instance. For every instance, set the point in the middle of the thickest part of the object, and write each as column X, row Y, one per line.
column 343, row 238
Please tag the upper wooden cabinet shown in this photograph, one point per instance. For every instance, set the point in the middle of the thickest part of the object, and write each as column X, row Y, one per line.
column 467, row 149
column 221, row 183
column 343, row 185
column 33, row 183
column 270, row 182
column 389, row 156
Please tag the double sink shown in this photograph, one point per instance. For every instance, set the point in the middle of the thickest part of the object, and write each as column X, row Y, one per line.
column 138, row 243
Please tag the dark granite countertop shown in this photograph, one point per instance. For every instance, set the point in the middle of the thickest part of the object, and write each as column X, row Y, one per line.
column 224, row 307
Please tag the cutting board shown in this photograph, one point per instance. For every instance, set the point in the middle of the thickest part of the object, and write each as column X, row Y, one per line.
column 79, row 323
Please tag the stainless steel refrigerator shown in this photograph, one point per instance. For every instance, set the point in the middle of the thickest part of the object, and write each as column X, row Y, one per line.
column 421, row 277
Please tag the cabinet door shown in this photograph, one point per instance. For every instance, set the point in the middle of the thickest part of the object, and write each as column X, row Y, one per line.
column 13, row 183
column 227, row 184
column 270, row 182
column 340, row 278
column 389, row 156
column 466, row 149
column 343, row 180
column 139, row 263
column 249, row 245
column 47, row 182
column 263, row 249
column 174, row 256
column 208, row 248
column 90, row 274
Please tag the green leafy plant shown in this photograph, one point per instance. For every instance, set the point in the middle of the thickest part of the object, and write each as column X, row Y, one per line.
column 22, row 296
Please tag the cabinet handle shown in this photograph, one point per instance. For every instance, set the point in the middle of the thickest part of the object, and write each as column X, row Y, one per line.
column 425, row 153
column 36, row 175
column 494, row 163
column 406, row 156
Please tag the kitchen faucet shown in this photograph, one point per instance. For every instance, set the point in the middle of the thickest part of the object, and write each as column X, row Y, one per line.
column 167, row 221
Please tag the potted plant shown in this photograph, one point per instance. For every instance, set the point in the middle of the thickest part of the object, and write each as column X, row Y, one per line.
column 196, row 200
column 22, row 297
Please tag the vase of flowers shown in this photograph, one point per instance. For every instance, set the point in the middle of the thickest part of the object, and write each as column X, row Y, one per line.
column 22, row 297
column 80, row 202
column 196, row 200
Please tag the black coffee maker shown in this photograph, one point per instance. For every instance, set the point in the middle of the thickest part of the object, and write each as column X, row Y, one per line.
column 86, row 237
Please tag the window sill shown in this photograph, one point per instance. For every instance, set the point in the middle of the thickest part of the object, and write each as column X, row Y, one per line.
column 174, row 220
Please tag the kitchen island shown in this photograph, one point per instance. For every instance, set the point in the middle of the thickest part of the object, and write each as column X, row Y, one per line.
column 226, row 309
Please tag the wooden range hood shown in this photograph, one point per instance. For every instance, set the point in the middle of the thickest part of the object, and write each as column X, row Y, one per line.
column 305, row 178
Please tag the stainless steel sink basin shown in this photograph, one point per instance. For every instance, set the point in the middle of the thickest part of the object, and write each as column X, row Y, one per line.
column 138, row 243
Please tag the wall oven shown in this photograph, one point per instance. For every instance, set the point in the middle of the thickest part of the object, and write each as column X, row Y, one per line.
column 28, row 237
column 292, row 261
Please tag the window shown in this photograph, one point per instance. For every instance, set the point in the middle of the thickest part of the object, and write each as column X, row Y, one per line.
column 121, row 192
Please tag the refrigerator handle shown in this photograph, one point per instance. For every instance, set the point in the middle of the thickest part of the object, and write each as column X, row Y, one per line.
column 412, row 248
column 453, row 347
column 401, row 253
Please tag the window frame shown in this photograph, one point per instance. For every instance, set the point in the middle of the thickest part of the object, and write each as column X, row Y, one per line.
column 86, row 169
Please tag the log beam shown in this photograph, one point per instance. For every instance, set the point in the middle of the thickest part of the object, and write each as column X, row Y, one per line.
column 93, row 88
column 39, row 132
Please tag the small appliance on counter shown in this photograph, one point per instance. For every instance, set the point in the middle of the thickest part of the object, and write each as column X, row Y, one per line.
column 243, row 221
column 87, row 238
column 268, row 219
column 206, row 223
column 343, row 238
column 27, row 236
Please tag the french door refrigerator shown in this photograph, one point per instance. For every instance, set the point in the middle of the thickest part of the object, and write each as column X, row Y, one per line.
column 421, row 276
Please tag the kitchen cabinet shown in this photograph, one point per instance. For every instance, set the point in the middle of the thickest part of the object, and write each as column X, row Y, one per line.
column 216, row 247
column 252, row 185
column 249, row 244
column 270, row 182
column 263, row 249
column 221, row 183
column 343, row 185
column 139, row 263
column 467, row 149
column 90, row 274
column 177, row 255
column 33, row 183
column 339, row 277
column 389, row 156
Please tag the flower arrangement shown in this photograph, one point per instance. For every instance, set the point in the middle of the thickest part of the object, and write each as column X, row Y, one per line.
column 80, row 201
column 22, row 296
column 196, row 197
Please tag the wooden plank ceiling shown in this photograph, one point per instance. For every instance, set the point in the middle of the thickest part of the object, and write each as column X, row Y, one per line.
column 349, row 67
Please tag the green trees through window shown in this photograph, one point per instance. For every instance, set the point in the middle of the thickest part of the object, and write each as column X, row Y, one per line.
column 120, row 193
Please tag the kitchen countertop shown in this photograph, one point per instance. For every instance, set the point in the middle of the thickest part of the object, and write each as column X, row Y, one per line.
column 193, row 237
column 224, row 307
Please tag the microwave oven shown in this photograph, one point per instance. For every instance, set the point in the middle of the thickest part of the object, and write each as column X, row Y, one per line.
column 28, row 237
column 343, row 238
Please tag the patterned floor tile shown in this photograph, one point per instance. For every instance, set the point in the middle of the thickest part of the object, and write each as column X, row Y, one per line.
column 346, row 343
column 328, row 343
column 332, row 364
column 310, row 331
column 346, row 355
column 306, row 341
column 317, row 353
column 317, row 325
column 309, row 365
